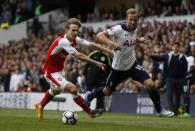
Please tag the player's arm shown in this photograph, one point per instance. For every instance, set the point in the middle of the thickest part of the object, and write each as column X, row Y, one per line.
column 103, row 37
column 141, row 39
column 101, row 48
column 92, row 44
column 85, row 58
column 63, row 43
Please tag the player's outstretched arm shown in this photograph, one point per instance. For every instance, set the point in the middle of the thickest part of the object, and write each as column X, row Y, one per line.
column 142, row 39
column 101, row 48
column 85, row 58
column 104, row 38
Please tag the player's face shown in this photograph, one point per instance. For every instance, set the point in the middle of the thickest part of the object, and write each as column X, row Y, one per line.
column 132, row 21
column 72, row 32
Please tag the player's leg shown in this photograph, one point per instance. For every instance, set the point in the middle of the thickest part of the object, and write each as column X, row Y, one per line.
column 71, row 88
column 155, row 97
column 100, row 101
column 89, row 89
column 78, row 99
column 153, row 93
column 112, row 81
column 49, row 95
column 137, row 73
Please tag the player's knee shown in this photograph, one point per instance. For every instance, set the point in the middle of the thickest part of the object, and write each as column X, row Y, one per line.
column 71, row 88
column 107, row 92
column 149, row 83
column 74, row 90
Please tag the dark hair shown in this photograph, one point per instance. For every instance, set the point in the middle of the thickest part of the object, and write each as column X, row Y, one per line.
column 74, row 21
column 175, row 43
column 132, row 11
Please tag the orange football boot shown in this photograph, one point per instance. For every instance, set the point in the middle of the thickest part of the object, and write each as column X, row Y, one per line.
column 39, row 110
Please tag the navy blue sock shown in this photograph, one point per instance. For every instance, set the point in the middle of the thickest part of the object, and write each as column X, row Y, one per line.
column 155, row 96
column 96, row 94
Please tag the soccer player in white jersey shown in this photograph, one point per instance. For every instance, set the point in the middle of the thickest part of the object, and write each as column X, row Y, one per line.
column 53, row 67
column 124, row 65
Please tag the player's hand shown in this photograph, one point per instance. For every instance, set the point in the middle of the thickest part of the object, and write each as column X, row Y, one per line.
column 115, row 46
column 142, row 39
column 101, row 65
column 117, row 49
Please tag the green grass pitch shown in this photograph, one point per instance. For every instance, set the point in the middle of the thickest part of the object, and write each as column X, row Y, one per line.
column 25, row 120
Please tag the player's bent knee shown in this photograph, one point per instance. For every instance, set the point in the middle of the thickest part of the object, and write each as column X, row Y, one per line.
column 74, row 91
column 107, row 92
column 149, row 84
column 71, row 88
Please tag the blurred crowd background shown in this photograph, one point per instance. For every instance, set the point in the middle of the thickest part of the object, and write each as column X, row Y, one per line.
column 16, row 11
column 21, row 61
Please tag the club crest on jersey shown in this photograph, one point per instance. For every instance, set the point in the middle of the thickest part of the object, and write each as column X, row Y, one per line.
column 59, row 79
column 129, row 43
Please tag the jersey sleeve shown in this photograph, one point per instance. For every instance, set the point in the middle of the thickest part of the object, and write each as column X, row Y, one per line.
column 82, row 41
column 113, row 31
column 63, row 43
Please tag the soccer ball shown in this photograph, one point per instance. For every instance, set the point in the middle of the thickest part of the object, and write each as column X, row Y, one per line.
column 69, row 117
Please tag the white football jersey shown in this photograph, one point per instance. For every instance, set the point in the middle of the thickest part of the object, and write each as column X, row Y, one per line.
column 125, row 58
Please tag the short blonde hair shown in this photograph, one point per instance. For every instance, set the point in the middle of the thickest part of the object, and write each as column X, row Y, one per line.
column 132, row 11
column 74, row 21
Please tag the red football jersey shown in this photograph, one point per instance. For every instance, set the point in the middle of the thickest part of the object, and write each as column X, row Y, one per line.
column 58, row 52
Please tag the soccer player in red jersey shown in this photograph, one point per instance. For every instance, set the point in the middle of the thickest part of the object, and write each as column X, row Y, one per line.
column 54, row 65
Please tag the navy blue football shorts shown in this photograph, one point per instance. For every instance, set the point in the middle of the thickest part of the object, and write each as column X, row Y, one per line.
column 136, row 72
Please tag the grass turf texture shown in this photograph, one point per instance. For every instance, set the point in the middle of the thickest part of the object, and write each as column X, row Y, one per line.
column 25, row 120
